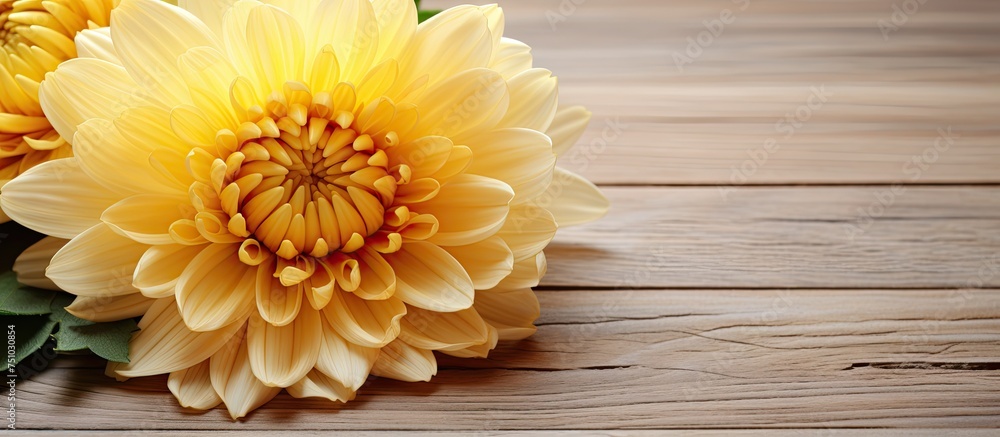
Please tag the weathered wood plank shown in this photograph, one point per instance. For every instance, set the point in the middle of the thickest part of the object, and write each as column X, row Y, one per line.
column 785, row 237
column 709, row 121
column 639, row 359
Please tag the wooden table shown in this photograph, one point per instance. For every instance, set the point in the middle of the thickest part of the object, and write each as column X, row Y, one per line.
column 805, row 235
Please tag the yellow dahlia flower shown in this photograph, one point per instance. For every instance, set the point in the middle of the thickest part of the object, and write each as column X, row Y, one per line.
column 304, row 192
column 36, row 37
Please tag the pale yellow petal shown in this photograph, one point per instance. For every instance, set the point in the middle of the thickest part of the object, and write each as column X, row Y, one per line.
column 85, row 88
column 164, row 344
column 282, row 355
column 350, row 27
column 368, row 323
column 378, row 280
column 97, row 263
column 471, row 101
column 451, row 42
column 534, row 97
column 234, row 381
column 317, row 385
column 487, row 262
column 216, row 289
column 574, row 200
column 526, row 273
column 522, row 158
column 397, row 21
column 512, row 313
column 345, row 362
column 403, row 362
column 160, row 267
column 511, row 58
column 193, row 387
column 119, row 164
column 57, row 198
column 146, row 218
column 528, row 230
column 276, row 303
column 209, row 12
column 443, row 331
column 110, row 308
column 276, row 60
column 430, row 278
column 567, row 127
column 470, row 209
column 96, row 43
column 149, row 37
column 479, row 350
column 30, row 265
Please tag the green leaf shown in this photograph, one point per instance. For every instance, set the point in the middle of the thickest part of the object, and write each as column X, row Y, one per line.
column 30, row 333
column 426, row 15
column 23, row 301
column 107, row 340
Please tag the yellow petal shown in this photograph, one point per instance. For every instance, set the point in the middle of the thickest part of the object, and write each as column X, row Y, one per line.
column 397, row 21
column 522, row 158
column 277, row 304
column 160, row 267
column 528, row 230
column 567, row 127
column 31, row 264
column 425, row 156
column 193, row 387
column 575, row 200
column 149, row 37
column 276, row 60
column 526, row 273
column 378, row 280
column 443, row 331
column 511, row 58
column 97, row 43
column 110, row 308
column 428, row 277
column 512, row 313
column 479, row 350
column 209, row 12
column 487, row 262
column 403, row 362
column 534, row 97
column 451, row 42
column 85, row 88
column 56, row 198
column 282, row 355
column 216, row 289
column 470, row 208
column 345, row 362
column 146, row 218
column 471, row 101
column 234, row 381
column 368, row 323
column 118, row 164
column 164, row 344
column 97, row 263
column 317, row 385
column 351, row 29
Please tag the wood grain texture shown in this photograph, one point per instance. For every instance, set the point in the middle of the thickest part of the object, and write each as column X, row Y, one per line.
column 708, row 121
column 639, row 359
column 785, row 237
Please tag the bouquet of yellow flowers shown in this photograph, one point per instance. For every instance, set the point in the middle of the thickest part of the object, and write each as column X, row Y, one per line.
column 287, row 194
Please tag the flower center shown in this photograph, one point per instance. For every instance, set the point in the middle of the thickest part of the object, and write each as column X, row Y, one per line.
column 305, row 181
column 9, row 35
